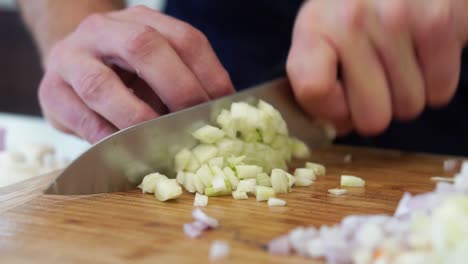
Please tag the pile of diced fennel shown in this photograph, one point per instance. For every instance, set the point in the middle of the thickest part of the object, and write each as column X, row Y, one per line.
column 247, row 154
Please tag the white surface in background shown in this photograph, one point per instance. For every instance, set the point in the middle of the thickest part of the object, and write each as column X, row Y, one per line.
column 22, row 130
column 25, row 131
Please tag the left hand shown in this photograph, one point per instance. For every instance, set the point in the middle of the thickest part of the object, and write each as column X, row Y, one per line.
column 396, row 58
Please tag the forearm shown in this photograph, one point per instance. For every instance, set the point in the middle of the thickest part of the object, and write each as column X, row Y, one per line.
column 51, row 20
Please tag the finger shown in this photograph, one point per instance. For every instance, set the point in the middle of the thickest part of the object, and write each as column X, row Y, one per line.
column 150, row 56
column 391, row 37
column 364, row 78
column 143, row 91
column 101, row 89
column 311, row 68
column 438, row 49
column 69, row 113
column 190, row 44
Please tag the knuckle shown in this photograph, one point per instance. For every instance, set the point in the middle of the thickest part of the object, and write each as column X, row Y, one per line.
column 190, row 37
column 140, row 115
column 142, row 43
column 140, row 9
column 91, row 22
column 394, row 17
column 354, row 14
column 91, row 84
column 89, row 127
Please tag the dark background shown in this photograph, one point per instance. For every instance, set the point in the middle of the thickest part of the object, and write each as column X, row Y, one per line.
column 20, row 69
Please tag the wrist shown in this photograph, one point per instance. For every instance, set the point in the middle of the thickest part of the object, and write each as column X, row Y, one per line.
column 49, row 21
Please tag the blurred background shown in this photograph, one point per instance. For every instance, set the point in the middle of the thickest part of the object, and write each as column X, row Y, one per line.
column 20, row 70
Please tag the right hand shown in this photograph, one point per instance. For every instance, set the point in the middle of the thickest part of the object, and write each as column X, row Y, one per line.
column 122, row 68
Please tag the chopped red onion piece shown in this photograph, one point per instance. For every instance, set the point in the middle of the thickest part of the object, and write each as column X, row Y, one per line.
column 461, row 182
column 192, row 230
column 280, row 246
column 199, row 215
column 450, row 165
column 442, row 187
column 403, row 207
column 219, row 250
column 464, row 168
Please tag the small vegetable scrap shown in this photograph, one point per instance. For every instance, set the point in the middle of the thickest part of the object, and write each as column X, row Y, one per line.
column 247, row 154
column 352, row 181
column 337, row 191
column 219, row 250
column 202, row 223
column 348, row 158
column 161, row 186
column 272, row 201
column 425, row 228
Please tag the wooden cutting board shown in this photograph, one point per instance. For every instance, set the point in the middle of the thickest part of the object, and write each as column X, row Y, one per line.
column 132, row 227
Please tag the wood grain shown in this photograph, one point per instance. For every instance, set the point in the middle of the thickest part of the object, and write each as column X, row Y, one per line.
column 132, row 227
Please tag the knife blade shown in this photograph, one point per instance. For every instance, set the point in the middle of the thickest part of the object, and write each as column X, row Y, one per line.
column 119, row 162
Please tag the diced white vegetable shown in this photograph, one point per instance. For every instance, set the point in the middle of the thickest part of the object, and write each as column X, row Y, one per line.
column 279, row 125
column 247, row 185
column 291, row 181
column 234, row 161
column 279, row 181
column 276, row 202
column 337, row 191
column 231, row 176
column 299, row 149
column 200, row 200
column 319, row 169
column 205, row 152
column 199, row 186
column 248, row 171
column 182, row 159
column 228, row 147
column 263, row 179
column 180, row 177
column 280, row 246
column 218, row 182
column 189, row 182
column 216, row 162
column 352, row 181
column 167, row 189
column 219, row 250
column 210, row 191
column 305, row 173
column 240, row 195
column 282, row 144
column 224, row 120
column 263, row 193
column 303, row 182
column 200, row 216
column 193, row 165
column 148, row 184
column 206, row 175
column 208, row 134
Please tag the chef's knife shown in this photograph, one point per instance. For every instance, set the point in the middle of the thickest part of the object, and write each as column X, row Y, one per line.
column 119, row 162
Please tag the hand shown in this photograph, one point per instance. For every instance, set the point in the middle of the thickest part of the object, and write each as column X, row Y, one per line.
column 121, row 68
column 395, row 56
